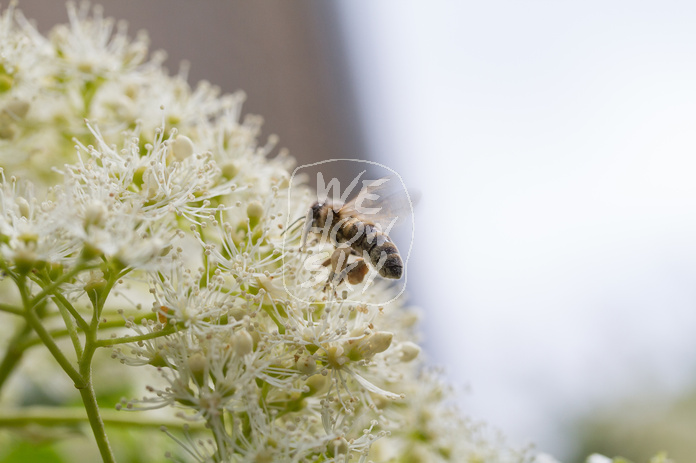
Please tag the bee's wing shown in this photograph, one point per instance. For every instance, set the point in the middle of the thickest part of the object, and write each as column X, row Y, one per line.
column 384, row 202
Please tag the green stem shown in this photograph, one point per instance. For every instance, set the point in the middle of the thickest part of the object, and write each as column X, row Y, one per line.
column 13, row 353
column 270, row 311
column 89, row 400
column 15, row 348
column 49, row 289
column 81, row 378
column 61, row 301
column 53, row 348
column 99, row 306
column 11, row 309
column 35, row 341
column 141, row 337
column 66, row 312
column 121, row 323
column 35, row 323
column 62, row 332
column 221, row 449
column 64, row 416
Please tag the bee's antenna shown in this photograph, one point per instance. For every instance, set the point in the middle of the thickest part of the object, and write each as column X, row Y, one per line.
column 307, row 228
column 291, row 226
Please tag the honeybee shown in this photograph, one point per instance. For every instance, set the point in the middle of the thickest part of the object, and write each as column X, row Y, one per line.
column 360, row 228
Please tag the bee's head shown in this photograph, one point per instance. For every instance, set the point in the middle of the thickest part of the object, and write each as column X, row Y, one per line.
column 318, row 214
column 316, row 217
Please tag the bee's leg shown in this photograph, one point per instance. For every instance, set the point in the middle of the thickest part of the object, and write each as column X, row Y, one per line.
column 339, row 258
column 332, row 275
column 328, row 282
column 353, row 273
column 336, row 279
column 338, row 261
column 356, row 271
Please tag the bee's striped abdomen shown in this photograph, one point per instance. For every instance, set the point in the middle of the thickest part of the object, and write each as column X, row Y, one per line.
column 385, row 257
column 365, row 238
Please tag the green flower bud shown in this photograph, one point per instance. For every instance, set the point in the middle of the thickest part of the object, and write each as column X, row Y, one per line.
column 24, row 208
column 7, row 130
column 229, row 170
column 55, row 270
column 138, row 176
column 306, row 364
column 370, row 345
column 254, row 212
column 335, row 356
column 157, row 360
column 182, row 147
column 25, row 259
column 17, row 108
column 90, row 252
column 409, row 351
column 197, row 364
column 338, row 446
column 95, row 214
column 95, row 287
column 317, row 383
column 6, row 82
column 242, row 342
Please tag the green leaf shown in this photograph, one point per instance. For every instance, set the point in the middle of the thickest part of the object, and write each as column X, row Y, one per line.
column 24, row 452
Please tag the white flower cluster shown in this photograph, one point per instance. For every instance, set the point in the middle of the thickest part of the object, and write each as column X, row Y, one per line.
column 138, row 181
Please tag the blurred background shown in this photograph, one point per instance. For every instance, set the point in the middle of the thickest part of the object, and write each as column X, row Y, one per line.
column 554, row 144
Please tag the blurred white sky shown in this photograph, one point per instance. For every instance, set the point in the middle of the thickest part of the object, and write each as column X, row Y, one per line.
column 554, row 144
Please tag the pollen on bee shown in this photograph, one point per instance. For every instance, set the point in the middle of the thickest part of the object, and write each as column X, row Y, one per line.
column 161, row 314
